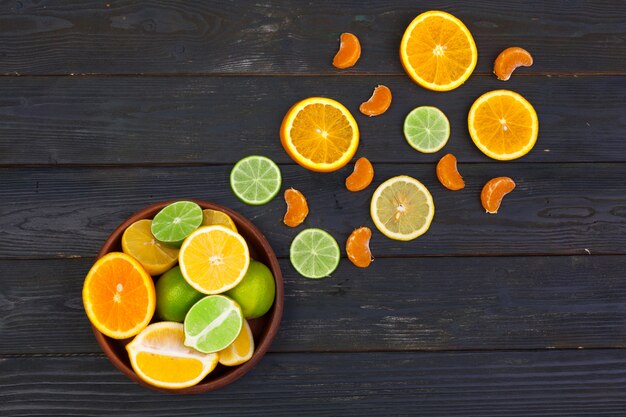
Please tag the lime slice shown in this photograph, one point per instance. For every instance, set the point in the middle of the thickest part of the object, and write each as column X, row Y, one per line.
column 426, row 129
column 176, row 221
column 212, row 324
column 255, row 180
column 314, row 253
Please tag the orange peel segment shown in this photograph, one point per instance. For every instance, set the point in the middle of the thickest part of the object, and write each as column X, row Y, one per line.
column 448, row 173
column 378, row 103
column 349, row 51
column 509, row 60
column 358, row 247
column 297, row 208
column 362, row 175
column 494, row 190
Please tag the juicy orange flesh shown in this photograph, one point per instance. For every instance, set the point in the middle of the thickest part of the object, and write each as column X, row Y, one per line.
column 297, row 208
column 362, row 176
column 439, row 50
column 402, row 208
column 168, row 368
column 448, row 174
column 118, row 296
column 358, row 247
column 214, row 260
column 503, row 124
column 378, row 103
column 241, row 345
column 321, row 133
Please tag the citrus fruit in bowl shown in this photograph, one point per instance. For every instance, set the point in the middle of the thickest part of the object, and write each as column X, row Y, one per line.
column 257, row 332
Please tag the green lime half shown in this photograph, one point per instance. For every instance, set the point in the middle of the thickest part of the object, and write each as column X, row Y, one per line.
column 255, row 180
column 174, row 296
column 314, row 253
column 426, row 129
column 212, row 324
column 256, row 291
column 176, row 221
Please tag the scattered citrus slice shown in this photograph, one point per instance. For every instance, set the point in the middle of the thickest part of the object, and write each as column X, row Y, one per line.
column 426, row 129
column 358, row 247
column 314, row 253
column 494, row 190
column 256, row 292
column 212, row 324
column 503, row 125
column 378, row 103
column 255, row 180
column 241, row 350
column 362, row 175
column 438, row 51
column 320, row 134
column 160, row 358
column 212, row 217
column 176, row 221
column 349, row 51
column 297, row 208
column 154, row 256
column 402, row 208
column 214, row 259
column 118, row 295
column 448, row 174
column 174, row 296
column 509, row 60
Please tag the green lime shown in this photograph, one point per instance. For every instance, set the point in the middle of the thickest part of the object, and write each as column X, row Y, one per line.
column 212, row 324
column 176, row 221
column 314, row 253
column 256, row 291
column 426, row 129
column 174, row 297
column 255, row 180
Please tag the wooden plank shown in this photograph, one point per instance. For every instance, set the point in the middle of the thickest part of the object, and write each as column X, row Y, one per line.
column 209, row 120
column 292, row 37
column 555, row 209
column 558, row 383
column 476, row 303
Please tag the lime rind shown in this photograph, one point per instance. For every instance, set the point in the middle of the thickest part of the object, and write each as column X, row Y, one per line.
column 176, row 221
column 314, row 253
column 255, row 180
column 426, row 129
column 212, row 324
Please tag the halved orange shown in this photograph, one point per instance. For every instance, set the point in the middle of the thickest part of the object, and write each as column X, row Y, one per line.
column 438, row 51
column 119, row 296
column 320, row 134
column 503, row 124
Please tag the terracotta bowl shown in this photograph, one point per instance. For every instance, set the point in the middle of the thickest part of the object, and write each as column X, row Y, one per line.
column 264, row 328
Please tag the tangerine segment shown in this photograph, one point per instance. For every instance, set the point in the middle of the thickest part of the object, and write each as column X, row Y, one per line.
column 509, row 60
column 349, row 51
column 503, row 125
column 358, row 247
column 493, row 192
column 378, row 103
column 297, row 208
column 438, row 51
column 320, row 134
column 448, row 174
column 119, row 296
column 362, row 175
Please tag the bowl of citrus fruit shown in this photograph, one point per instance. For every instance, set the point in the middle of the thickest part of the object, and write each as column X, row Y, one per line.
column 185, row 296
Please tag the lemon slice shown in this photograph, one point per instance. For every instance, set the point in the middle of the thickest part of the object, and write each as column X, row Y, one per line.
column 240, row 350
column 154, row 256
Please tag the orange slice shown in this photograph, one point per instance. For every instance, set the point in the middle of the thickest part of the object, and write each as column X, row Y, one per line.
column 448, row 173
column 362, row 175
column 438, row 51
column 503, row 125
column 494, row 191
column 320, row 134
column 378, row 103
column 358, row 247
column 509, row 60
column 349, row 51
column 297, row 208
column 119, row 296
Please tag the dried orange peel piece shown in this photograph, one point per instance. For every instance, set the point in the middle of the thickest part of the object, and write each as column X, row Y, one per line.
column 493, row 192
column 362, row 176
column 297, row 208
column 448, row 173
column 349, row 51
column 509, row 60
column 358, row 247
column 378, row 103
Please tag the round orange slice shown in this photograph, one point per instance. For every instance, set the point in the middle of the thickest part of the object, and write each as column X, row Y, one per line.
column 320, row 134
column 503, row 125
column 438, row 51
column 119, row 296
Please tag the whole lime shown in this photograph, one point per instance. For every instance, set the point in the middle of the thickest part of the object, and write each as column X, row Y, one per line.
column 174, row 297
column 256, row 291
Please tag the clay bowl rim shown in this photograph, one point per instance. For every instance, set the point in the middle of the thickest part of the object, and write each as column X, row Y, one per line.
column 269, row 332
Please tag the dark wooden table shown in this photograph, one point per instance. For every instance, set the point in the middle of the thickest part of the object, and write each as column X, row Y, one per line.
column 108, row 106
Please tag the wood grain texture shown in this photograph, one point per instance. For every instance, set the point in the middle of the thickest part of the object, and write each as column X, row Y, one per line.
column 476, row 303
column 216, row 120
column 555, row 209
column 73, row 37
column 558, row 383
